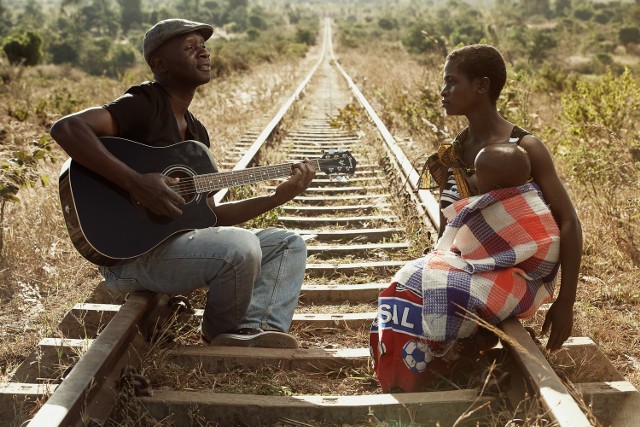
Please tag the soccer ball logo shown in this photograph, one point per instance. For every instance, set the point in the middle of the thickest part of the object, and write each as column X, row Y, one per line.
column 416, row 355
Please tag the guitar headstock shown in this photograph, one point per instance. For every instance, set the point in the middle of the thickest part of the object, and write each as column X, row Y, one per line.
column 337, row 162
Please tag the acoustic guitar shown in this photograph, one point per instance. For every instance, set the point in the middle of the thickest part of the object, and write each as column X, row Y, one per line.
column 108, row 227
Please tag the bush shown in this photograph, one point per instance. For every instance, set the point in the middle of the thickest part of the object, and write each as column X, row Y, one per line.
column 296, row 49
column 551, row 78
column 583, row 14
column 121, row 57
column 602, row 120
column 25, row 48
column 603, row 17
column 95, row 57
column 220, row 67
column 629, row 35
column 514, row 102
column 421, row 38
column 351, row 36
column 604, row 58
column 467, row 34
column 63, row 52
column 22, row 171
column 306, row 36
column 613, row 101
column 540, row 46
column 387, row 24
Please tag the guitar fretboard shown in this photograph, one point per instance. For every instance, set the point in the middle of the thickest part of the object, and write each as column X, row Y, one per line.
column 215, row 181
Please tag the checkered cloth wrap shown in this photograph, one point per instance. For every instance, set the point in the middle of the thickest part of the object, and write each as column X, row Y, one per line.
column 398, row 328
column 497, row 258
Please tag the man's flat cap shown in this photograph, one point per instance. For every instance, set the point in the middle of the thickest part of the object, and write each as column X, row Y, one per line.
column 165, row 30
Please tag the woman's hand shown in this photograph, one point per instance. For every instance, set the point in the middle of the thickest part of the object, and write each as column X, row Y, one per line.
column 559, row 319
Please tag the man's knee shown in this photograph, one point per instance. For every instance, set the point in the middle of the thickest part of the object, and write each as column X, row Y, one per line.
column 296, row 243
column 242, row 246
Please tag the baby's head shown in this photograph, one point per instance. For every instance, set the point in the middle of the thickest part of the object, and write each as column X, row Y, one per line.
column 501, row 166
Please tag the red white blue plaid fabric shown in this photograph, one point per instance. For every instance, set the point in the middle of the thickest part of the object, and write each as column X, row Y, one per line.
column 401, row 358
column 497, row 258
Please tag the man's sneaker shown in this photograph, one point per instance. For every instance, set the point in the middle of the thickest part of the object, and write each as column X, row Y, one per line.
column 255, row 337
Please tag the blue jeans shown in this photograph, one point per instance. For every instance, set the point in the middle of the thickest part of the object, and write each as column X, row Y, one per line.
column 253, row 276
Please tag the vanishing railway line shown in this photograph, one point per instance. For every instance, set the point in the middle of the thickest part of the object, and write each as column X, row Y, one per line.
column 143, row 358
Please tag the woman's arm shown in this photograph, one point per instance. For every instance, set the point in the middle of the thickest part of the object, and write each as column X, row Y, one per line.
column 559, row 318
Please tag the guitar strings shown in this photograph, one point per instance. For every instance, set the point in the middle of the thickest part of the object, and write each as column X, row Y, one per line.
column 187, row 186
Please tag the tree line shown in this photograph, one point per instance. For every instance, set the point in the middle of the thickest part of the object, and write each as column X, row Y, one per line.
column 104, row 37
column 529, row 32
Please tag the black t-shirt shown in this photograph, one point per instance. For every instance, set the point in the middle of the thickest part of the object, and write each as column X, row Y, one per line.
column 144, row 115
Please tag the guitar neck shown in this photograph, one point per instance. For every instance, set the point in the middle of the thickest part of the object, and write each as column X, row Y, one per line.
column 214, row 181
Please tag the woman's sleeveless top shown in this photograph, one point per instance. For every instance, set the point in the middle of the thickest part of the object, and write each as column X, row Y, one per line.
column 450, row 192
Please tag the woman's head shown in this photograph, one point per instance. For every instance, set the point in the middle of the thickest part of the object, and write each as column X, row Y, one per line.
column 481, row 60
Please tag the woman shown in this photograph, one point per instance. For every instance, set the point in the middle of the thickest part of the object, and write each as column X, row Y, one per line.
column 406, row 355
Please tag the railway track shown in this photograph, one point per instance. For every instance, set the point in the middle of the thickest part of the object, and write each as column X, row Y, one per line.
column 138, row 361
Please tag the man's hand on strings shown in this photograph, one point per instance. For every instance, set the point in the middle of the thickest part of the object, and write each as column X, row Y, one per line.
column 159, row 194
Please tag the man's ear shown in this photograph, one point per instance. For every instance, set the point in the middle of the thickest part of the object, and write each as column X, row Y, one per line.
column 157, row 65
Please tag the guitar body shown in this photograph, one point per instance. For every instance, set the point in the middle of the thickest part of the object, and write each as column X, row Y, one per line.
column 106, row 226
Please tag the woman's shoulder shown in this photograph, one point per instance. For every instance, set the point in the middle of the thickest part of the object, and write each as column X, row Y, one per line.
column 540, row 157
column 530, row 140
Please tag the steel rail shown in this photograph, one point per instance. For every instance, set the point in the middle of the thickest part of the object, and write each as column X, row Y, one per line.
column 250, row 153
column 95, row 377
column 426, row 198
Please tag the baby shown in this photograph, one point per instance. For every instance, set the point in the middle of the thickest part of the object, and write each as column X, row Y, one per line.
column 501, row 166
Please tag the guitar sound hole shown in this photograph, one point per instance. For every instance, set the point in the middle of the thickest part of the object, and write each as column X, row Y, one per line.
column 186, row 187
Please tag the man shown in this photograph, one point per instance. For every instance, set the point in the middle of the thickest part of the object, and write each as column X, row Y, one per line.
column 253, row 276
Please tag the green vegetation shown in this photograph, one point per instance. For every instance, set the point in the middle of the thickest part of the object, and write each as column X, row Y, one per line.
column 22, row 171
column 23, row 48
column 575, row 35
column 602, row 149
column 104, row 37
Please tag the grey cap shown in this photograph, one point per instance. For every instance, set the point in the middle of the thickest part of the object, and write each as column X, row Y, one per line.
column 165, row 30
